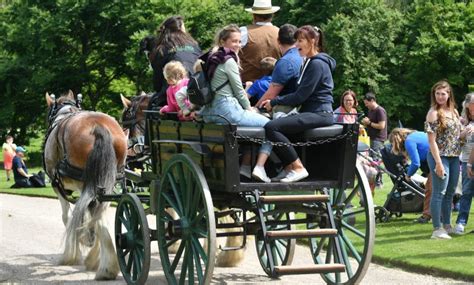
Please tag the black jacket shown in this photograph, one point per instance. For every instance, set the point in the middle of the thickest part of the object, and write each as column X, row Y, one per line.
column 315, row 85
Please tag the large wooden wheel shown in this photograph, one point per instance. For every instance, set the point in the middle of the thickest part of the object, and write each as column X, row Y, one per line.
column 282, row 250
column 354, row 217
column 192, row 230
column 132, row 239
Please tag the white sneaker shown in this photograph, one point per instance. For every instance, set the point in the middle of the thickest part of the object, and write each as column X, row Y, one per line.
column 280, row 176
column 260, row 174
column 459, row 229
column 449, row 229
column 245, row 170
column 294, row 176
column 440, row 234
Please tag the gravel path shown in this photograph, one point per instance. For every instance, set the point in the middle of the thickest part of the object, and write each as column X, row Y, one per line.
column 30, row 244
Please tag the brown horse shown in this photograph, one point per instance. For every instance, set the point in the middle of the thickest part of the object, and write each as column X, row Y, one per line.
column 133, row 118
column 83, row 151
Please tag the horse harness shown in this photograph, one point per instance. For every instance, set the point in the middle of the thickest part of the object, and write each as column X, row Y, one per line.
column 63, row 167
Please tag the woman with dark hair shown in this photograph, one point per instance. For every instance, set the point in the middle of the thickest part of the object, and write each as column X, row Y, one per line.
column 347, row 113
column 313, row 95
column 173, row 43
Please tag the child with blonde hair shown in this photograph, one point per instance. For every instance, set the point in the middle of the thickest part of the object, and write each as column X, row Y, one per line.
column 177, row 78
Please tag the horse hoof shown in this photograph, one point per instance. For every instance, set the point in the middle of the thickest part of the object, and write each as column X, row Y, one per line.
column 106, row 275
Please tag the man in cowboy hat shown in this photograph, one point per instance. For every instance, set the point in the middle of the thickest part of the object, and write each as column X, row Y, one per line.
column 259, row 40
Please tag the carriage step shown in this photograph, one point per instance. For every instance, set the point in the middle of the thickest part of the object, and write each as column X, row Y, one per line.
column 280, row 199
column 307, row 269
column 302, row 233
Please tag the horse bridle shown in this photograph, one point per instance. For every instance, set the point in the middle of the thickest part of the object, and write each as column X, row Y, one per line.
column 131, row 122
column 54, row 110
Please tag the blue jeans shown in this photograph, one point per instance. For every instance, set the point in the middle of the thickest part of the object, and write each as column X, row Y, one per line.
column 443, row 189
column 230, row 109
column 466, row 197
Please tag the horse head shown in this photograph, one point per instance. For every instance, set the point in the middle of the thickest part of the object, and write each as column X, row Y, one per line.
column 66, row 103
column 133, row 119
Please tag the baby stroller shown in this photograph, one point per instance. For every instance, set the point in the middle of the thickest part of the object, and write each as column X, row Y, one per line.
column 405, row 196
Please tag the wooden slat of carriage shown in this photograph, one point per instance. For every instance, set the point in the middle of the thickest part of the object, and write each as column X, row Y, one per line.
column 196, row 167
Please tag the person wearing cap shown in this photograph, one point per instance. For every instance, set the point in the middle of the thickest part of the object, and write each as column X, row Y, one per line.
column 20, row 172
column 258, row 40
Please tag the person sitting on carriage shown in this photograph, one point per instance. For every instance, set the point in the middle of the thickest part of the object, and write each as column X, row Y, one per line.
column 313, row 94
column 414, row 146
column 172, row 43
column 177, row 79
column 230, row 103
column 256, row 89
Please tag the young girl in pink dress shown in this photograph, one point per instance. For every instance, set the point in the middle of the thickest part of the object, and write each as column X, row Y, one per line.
column 177, row 79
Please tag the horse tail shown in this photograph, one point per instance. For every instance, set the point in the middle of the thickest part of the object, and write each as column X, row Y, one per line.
column 99, row 176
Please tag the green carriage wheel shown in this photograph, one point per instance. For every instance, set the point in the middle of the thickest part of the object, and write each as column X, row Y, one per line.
column 132, row 239
column 282, row 250
column 192, row 230
column 355, row 221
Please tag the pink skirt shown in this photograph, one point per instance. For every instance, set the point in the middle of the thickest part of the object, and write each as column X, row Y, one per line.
column 7, row 160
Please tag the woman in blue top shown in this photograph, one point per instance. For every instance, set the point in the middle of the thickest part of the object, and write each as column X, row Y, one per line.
column 313, row 94
column 414, row 145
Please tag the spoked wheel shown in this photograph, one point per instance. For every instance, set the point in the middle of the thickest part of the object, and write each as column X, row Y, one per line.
column 132, row 239
column 355, row 222
column 191, row 229
column 282, row 250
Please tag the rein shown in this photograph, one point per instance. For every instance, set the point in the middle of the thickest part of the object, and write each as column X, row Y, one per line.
column 63, row 168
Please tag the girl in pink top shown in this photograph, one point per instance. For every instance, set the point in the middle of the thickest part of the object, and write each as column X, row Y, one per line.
column 176, row 76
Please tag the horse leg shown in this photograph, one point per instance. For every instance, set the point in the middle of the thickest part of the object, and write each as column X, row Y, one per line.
column 230, row 258
column 92, row 260
column 174, row 247
column 65, row 206
column 72, row 251
column 108, row 263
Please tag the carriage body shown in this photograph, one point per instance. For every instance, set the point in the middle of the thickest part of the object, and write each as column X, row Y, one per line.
column 215, row 149
column 195, row 173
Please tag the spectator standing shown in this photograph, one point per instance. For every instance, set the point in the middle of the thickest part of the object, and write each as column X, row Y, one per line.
column 375, row 122
column 467, row 150
column 8, row 149
column 444, row 128
column 347, row 112
column 259, row 40
column 173, row 43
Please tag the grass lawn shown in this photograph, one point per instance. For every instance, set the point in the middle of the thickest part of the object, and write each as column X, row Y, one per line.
column 398, row 243
column 403, row 243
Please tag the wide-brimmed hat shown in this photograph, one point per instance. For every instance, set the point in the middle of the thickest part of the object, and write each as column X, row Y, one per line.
column 20, row 149
column 263, row 7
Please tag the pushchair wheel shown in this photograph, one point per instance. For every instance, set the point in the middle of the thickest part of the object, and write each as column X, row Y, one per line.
column 381, row 214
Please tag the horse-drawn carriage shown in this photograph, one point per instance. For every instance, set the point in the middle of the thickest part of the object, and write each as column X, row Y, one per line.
column 195, row 173
column 193, row 182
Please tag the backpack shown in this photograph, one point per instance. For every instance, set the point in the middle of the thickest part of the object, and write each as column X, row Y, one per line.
column 199, row 87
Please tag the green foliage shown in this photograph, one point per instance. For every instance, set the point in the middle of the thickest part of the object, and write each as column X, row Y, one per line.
column 396, row 48
column 90, row 47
